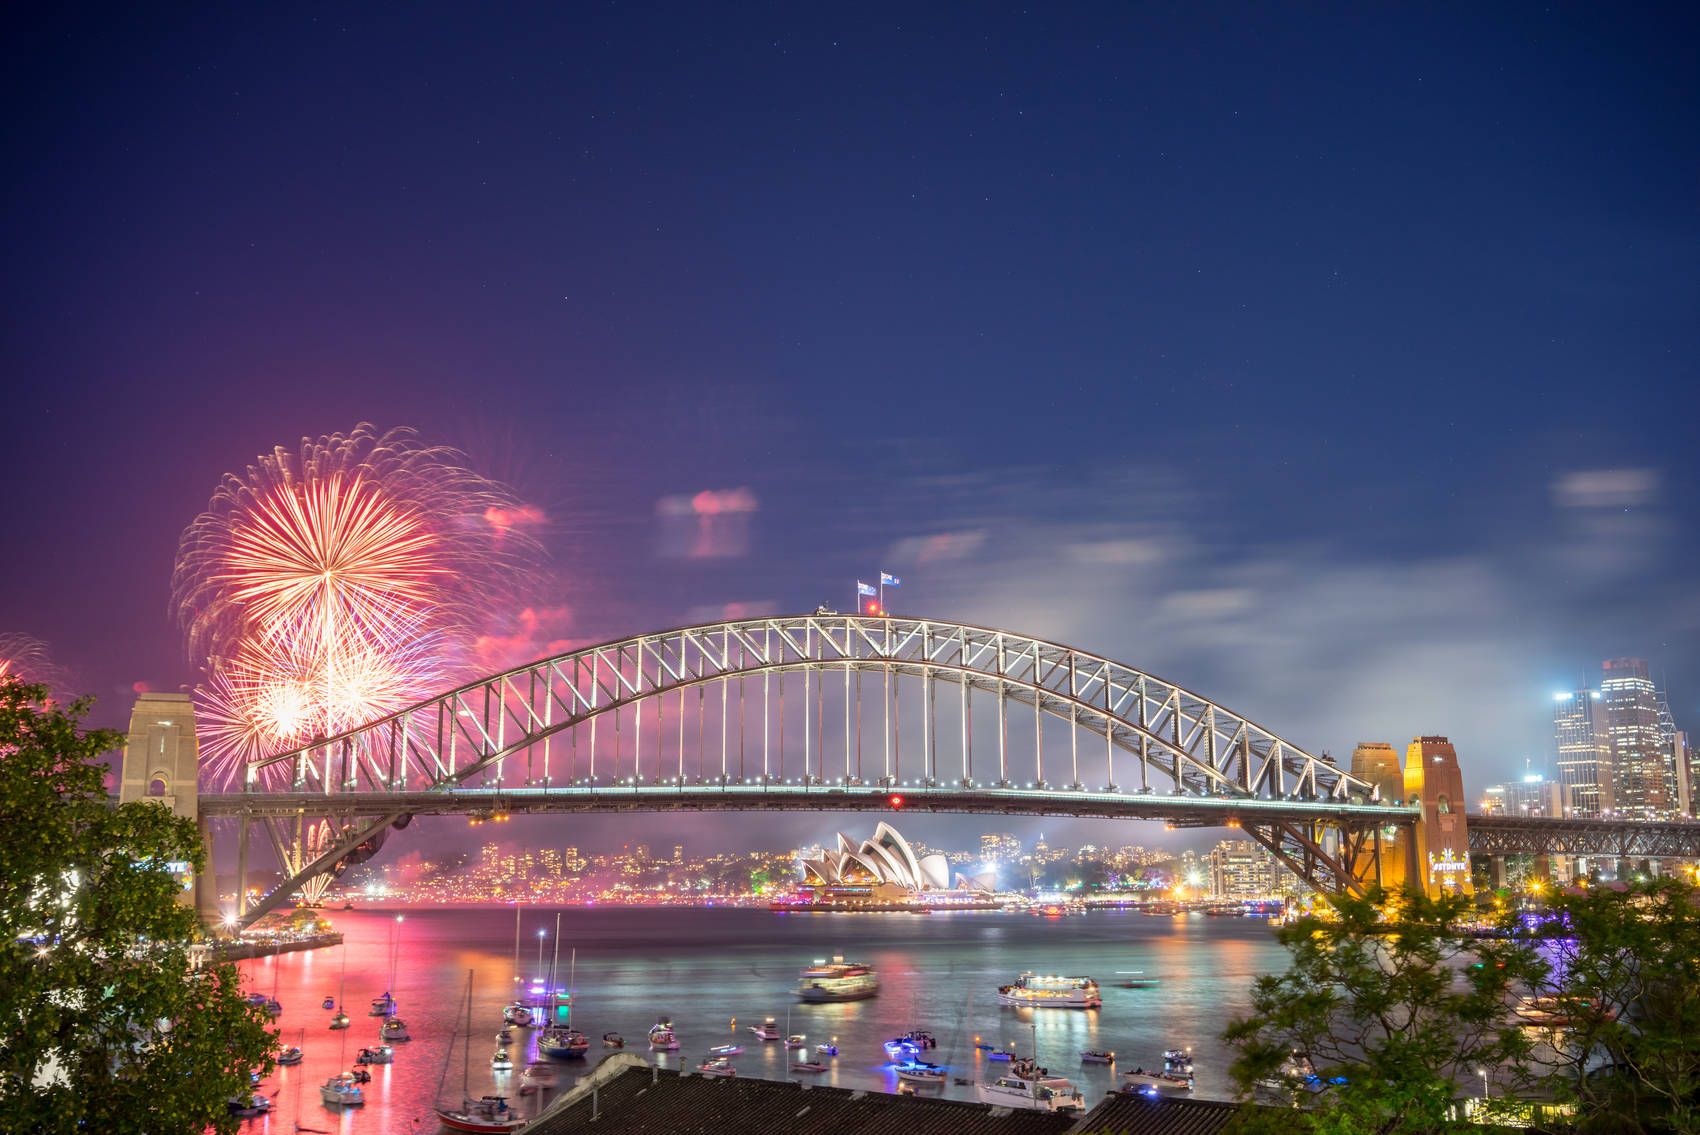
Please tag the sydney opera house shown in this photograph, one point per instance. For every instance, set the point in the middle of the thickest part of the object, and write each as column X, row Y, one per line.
column 885, row 869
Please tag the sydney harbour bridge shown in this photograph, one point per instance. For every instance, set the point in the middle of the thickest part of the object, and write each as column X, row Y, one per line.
column 831, row 712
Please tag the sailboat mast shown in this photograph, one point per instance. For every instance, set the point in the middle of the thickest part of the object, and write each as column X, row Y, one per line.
column 466, row 1060
column 555, row 967
column 516, row 954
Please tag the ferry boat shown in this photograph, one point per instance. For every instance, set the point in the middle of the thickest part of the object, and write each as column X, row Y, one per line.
column 921, row 1072
column 489, row 1115
column 1038, row 991
column 1140, row 1080
column 1032, row 1089
column 341, row 1091
column 767, row 1030
column 837, row 980
column 720, row 1066
column 661, row 1037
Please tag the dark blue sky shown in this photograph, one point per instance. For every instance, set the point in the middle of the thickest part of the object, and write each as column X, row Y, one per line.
column 1335, row 361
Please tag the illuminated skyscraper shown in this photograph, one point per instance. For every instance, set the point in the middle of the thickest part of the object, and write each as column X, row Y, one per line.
column 1584, row 752
column 1632, row 725
column 999, row 847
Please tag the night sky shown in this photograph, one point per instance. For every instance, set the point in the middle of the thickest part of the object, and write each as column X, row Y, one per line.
column 1335, row 361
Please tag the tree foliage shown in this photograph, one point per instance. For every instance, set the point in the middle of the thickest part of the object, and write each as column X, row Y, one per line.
column 1626, row 978
column 104, row 1026
column 1381, row 1018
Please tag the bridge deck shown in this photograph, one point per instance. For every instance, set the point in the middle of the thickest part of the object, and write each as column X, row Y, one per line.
column 690, row 797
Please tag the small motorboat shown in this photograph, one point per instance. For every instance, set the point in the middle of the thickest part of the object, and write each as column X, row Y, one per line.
column 613, row 1040
column 341, row 1091
column 328, row 1003
column 807, row 1066
column 361, row 1076
column 382, row 1006
column 726, row 1050
column 1000, row 1054
column 1140, row 1080
column 827, row 1049
column 501, row 1061
column 395, row 1029
column 1177, row 1056
column 796, row 1040
column 377, row 1054
column 1097, row 1056
column 983, row 1046
column 340, row 1021
column 248, row 1106
column 290, row 1055
column 921, row 1072
column 767, row 1030
column 517, row 1015
column 505, row 1037
column 719, row 1066
column 662, row 1038
column 539, row 1074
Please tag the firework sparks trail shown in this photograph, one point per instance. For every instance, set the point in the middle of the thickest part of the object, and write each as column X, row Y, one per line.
column 303, row 852
column 336, row 584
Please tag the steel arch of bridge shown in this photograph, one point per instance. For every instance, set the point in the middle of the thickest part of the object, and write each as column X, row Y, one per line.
column 462, row 741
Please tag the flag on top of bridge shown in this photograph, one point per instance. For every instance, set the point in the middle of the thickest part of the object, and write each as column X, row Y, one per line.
column 889, row 580
column 866, row 588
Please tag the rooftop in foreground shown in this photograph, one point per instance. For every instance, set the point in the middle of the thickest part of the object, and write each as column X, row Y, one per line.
column 627, row 1096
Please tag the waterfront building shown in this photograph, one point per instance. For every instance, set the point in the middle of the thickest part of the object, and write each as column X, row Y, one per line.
column 1584, row 753
column 1442, row 844
column 1632, row 724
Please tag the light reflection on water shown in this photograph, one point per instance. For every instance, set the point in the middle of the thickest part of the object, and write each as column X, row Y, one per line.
column 717, row 972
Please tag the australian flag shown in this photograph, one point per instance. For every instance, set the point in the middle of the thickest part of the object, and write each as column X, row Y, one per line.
column 866, row 588
column 889, row 580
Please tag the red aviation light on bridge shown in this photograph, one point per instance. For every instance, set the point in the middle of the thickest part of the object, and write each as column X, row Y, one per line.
column 872, row 607
column 897, row 801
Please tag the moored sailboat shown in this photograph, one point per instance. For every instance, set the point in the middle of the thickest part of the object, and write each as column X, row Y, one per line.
column 488, row 1115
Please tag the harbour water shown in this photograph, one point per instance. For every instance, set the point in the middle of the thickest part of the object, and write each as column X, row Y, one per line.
column 717, row 972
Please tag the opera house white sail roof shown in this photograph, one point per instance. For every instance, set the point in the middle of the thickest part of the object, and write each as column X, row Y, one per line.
column 888, row 858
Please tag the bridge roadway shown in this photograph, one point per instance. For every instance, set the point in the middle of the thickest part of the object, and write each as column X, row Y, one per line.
column 1181, row 809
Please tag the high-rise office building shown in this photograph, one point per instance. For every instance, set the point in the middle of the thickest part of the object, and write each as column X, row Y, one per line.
column 1584, row 752
column 999, row 847
column 1534, row 795
column 1632, row 725
column 1679, row 785
column 1240, row 869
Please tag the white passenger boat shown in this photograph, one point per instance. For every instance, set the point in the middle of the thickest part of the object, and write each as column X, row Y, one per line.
column 767, row 1030
column 1140, row 1079
column 837, row 980
column 500, row 1061
column 1046, row 991
column 1032, row 1089
column 720, row 1066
